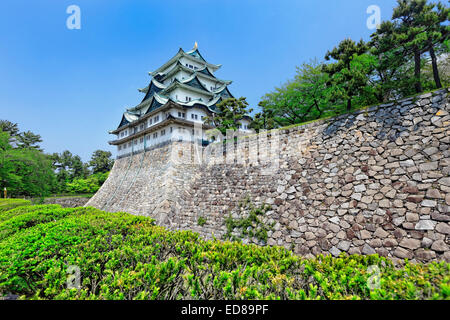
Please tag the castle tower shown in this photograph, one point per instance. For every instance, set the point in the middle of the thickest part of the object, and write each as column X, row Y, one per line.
column 181, row 93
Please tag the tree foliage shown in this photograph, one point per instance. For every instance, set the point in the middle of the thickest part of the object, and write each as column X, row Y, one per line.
column 127, row 257
column 301, row 99
column 348, row 74
column 26, row 171
column 230, row 113
column 406, row 55
column 101, row 161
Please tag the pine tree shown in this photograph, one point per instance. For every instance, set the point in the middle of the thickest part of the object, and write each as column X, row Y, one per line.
column 229, row 114
column 347, row 81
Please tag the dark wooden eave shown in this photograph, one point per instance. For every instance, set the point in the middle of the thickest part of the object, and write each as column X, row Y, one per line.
column 159, row 125
column 170, row 104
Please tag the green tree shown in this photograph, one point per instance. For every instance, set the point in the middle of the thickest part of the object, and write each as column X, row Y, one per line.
column 431, row 20
column 8, row 177
column 78, row 169
column 389, row 75
column 11, row 128
column 263, row 120
column 411, row 34
column 24, row 171
column 346, row 78
column 230, row 113
column 28, row 140
column 306, row 97
column 68, row 167
column 101, row 161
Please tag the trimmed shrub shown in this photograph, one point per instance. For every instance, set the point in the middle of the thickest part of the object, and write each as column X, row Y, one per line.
column 121, row 256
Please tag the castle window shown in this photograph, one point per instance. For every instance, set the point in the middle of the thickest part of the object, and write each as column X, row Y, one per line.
column 171, row 129
column 163, row 132
column 142, row 127
column 147, row 137
column 156, row 118
column 120, row 148
column 141, row 140
column 135, row 142
column 155, row 135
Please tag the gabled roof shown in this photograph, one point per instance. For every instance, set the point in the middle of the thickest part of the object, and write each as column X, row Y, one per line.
column 156, row 83
column 152, row 88
column 157, row 101
column 192, row 83
column 204, row 72
column 223, row 92
column 194, row 55
column 127, row 117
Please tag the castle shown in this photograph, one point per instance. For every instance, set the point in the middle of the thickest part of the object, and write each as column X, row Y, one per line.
column 181, row 94
column 374, row 181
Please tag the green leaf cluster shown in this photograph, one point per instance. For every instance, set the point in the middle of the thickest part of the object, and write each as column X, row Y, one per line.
column 249, row 224
column 405, row 55
column 121, row 256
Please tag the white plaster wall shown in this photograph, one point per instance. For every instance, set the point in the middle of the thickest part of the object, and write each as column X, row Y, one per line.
column 184, row 60
column 181, row 94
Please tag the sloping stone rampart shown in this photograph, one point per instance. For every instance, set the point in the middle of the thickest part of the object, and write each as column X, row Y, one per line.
column 375, row 181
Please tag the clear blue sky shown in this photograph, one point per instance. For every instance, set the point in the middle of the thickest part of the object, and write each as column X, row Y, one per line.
column 71, row 86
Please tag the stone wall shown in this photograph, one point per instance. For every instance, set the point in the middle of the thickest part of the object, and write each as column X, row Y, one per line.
column 68, row 202
column 375, row 181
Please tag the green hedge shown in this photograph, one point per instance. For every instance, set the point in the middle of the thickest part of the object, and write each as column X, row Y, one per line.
column 121, row 256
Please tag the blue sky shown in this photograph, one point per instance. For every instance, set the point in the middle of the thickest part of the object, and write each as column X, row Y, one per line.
column 71, row 86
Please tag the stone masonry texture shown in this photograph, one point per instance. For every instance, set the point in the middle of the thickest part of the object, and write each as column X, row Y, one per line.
column 68, row 202
column 374, row 181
